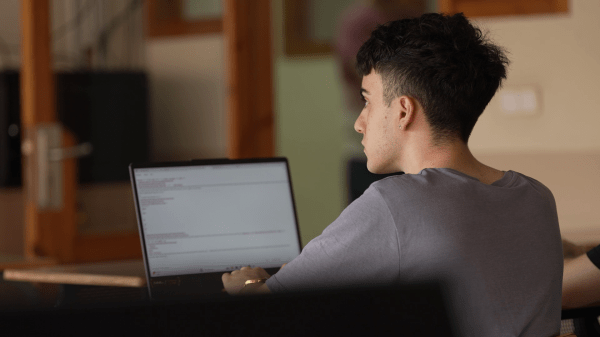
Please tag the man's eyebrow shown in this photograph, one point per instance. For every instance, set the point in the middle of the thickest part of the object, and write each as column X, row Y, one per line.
column 363, row 91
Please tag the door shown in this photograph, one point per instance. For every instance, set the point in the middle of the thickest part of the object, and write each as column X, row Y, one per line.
column 49, row 160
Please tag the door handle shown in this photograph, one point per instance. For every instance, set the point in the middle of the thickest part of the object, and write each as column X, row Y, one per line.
column 81, row 150
column 44, row 150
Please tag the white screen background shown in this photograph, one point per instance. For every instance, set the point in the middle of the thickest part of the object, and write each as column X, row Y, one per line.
column 199, row 219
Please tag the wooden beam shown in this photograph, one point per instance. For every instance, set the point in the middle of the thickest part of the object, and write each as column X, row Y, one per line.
column 296, row 23
column 37, row 80
column 446, row 6
column 47, row 233
column 478, row 8
column 247, row 32
column 164, row 19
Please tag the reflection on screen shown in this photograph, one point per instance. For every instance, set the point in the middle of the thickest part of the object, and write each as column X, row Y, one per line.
column 200, row 219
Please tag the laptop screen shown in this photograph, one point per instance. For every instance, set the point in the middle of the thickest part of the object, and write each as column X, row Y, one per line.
column 210, row 218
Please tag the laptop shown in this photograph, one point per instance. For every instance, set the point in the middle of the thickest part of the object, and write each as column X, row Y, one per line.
column 199, row 219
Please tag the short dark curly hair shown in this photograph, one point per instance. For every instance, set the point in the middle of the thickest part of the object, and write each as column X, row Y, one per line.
column 442, row 61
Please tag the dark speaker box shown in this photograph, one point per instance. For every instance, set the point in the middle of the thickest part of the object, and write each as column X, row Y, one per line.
column 10, row 129
column 359, row 178
column 107, row 109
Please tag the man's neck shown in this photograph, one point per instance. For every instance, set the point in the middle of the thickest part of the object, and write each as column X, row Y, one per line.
column 453, row 155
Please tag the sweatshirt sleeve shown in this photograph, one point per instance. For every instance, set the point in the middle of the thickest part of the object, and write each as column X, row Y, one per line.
column 360, row 248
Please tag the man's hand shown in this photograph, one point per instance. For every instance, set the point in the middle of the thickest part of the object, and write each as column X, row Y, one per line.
column 234, row 282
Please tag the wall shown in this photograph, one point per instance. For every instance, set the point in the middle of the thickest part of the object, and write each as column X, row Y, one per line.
column 309, row 116
column 310, row 135
column 187, row 90
column 560, row 55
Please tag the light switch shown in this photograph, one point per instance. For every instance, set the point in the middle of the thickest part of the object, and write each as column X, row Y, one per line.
column 520, row 101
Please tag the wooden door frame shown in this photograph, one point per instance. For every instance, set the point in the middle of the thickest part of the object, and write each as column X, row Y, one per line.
column 54, row 234
column 473, row 8
column 249, row 62
column 47, row 233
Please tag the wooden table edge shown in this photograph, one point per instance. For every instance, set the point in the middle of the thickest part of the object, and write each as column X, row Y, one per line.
column 79, row 279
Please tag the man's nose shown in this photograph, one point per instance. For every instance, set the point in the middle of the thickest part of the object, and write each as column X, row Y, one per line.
column 358, row 125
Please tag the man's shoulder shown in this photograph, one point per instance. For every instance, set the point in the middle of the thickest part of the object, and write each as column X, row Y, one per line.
column 434, row 183
column 410, row 182
column 534, row 182
column 399, row 187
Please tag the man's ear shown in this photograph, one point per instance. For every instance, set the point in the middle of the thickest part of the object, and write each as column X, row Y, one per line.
column 407, row 107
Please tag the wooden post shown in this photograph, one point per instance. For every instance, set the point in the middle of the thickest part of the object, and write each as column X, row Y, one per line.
column 473, row 9
column 47, row 233
column 247, row 32
column 445, row 6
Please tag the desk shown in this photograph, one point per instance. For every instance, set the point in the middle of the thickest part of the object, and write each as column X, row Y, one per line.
column 113, row 274
column 8, row 261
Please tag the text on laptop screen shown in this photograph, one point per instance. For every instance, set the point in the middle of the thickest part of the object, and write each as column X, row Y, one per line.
column 201, row 219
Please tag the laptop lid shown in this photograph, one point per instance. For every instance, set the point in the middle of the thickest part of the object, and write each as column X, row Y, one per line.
column 202, row 218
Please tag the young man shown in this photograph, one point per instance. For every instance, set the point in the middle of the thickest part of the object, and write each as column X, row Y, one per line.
column 491, row 236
